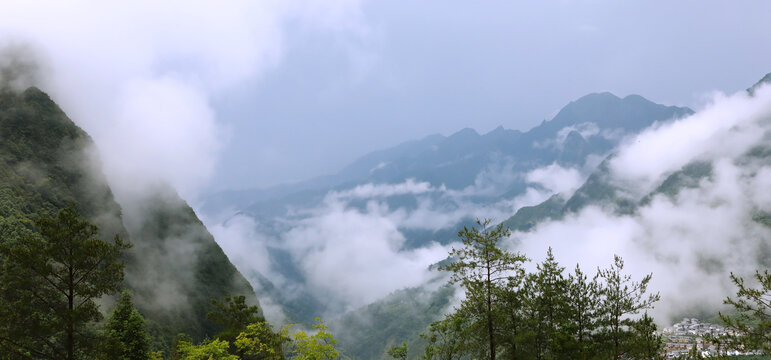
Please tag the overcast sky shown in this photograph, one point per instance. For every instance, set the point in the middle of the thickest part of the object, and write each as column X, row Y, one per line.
column 416, row 68
column 294, row 89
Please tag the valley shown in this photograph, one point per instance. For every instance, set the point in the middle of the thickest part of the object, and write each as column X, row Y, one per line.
column 375, row 180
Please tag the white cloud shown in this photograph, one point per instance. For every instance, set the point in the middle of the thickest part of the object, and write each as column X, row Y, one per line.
column 370, row 190
column 353, row 254
column 378, row 167
column 494, row 179
column 692, row 241
column 350, row 247
column 355, row 257
column 247, row 249
column 139, row 76
column 586, row 130
column 556, row 179
column 727, row 127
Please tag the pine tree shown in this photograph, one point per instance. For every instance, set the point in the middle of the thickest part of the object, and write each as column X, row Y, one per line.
column 621, row 297
column 516, row 330
column 753, row 307
column 447, row 338
column 126, row 333
column 583, row 297
column 49, row 284
column 483, row 268
column 645, row 344
column 233, row 316
column 548, row 289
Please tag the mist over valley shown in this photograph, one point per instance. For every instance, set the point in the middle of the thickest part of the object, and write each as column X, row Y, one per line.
column 364, row 180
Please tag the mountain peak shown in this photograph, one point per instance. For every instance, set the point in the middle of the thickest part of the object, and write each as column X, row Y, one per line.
column 464, row 133
column 606, row 110
column 501, row 134
column 635, row 97
column 594, row 97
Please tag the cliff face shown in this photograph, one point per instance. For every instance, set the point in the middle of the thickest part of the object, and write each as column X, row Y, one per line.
column 175, row 267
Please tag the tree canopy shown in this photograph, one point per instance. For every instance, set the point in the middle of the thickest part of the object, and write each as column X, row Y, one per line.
column 481, row 268
column 545, row 314
column 126, row 335
column 50, row 281
column 752, row 321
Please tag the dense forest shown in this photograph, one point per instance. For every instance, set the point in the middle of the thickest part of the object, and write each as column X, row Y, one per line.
column 46, row 166
column 54, row 277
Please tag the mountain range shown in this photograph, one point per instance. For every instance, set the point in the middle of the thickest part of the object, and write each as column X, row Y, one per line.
column 719, row 221
column 360, row 246
column 459, row 174
column 591, row 125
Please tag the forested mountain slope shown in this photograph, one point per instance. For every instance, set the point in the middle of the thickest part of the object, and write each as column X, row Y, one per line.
column 175, row 266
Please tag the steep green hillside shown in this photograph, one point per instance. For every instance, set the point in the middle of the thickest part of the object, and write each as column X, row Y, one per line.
column 400, row 317
column 598, row 190
column 688, row 177
column 528, row 216
column 43, row 166
column 175, row 267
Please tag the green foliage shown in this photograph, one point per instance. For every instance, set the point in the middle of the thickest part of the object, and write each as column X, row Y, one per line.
column 259, row 341
column 398, row 352
column 368, row 332
column 43, row 167
column 546, row 291
column 49, row 284
column 45, row 164
column 528, row 216
column 688, row 177
column 599, row 190
column 621, row 297
column 544, row 314
column 209, row 350
column 482, row 268
column 127, row 337
column 318, row 346
column 170, row 229
column 582, row 302
column 646, row 343
column 753, row 308
column 447, row 338
column 233, row 315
